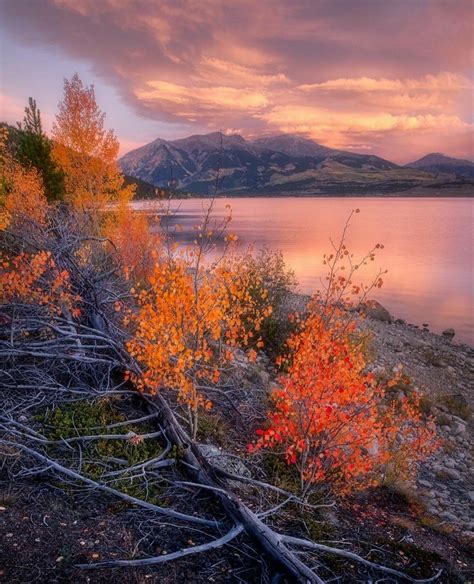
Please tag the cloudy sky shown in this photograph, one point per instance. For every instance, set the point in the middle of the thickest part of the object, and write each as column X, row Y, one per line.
column 389, row 77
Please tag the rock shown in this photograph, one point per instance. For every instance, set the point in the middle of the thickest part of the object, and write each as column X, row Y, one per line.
column 400, row 321
column 431, row 357
column 419, row 344
column 470, row 496
column 222, row 460
column 453, row 474
column 378, row 370
column 458, row 428
column 447, row 516
column 425, row 484
column 264, row 378
column 375, row 310
column 448, row 333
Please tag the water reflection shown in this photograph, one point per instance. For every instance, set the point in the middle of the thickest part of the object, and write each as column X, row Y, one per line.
column 428, row 246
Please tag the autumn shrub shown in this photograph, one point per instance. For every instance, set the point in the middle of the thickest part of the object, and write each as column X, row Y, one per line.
column 330, row 418
column 135, row 238
column 22, row 197
column 35, row 280
column 267, row 269
column 190, row 316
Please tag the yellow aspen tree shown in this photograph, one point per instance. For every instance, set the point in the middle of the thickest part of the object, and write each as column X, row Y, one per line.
column 85, row 151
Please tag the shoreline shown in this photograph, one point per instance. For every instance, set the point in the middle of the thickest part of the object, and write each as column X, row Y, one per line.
column 443, row 372
column 247, row 195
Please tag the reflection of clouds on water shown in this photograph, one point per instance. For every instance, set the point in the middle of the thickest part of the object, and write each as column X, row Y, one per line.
column 428, row 246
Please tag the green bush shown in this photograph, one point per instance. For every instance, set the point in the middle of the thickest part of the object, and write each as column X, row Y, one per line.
column 280, row 282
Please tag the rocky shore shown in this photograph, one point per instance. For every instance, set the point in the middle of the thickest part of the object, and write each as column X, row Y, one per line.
column 443, row 371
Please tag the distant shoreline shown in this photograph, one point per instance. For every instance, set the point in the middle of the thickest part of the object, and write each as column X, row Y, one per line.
column 247, row 195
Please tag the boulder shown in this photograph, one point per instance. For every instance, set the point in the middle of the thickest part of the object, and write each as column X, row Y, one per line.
column 226, row 462
column 458, row 428
column 375, row 310
column 448, row 333
column 447, row 516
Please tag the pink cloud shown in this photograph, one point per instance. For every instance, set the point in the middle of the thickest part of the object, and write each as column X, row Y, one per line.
column 353, row 73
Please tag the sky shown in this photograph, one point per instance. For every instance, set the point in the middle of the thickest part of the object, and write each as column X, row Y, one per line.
column 388, row 77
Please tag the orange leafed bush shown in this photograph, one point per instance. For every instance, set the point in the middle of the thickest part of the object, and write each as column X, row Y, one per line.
column 21, row 190
column 34, row 279
column 134, row 240
column 331, row 418
column 189, row 317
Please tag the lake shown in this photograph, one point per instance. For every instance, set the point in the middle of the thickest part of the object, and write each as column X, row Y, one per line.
column 428, row 247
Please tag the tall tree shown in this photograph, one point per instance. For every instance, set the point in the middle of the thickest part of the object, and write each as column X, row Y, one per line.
column 34, row 149
column 85, row 150
column 32, row 118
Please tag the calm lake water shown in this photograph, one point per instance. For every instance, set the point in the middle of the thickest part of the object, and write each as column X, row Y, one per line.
column 428, row 247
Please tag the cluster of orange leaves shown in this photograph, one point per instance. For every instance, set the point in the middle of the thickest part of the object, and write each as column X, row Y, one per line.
column 188, row 320
column 133, row 240
column 22, row 190
column 331, row 417
column 35, row 279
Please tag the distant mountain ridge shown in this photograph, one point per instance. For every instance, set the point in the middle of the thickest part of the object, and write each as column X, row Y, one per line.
column 282, row 164
column 439, row 163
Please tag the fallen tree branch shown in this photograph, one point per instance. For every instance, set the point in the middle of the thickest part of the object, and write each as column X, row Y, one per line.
column 52, row 464
column 212, row 545
column 355, row 558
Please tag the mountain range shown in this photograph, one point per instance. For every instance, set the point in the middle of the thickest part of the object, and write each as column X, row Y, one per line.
column 289, row 164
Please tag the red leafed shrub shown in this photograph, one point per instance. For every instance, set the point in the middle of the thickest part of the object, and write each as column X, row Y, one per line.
column 330, row 418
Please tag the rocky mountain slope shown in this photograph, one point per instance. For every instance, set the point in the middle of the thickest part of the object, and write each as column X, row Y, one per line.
column 284, row 164
column 439, row 163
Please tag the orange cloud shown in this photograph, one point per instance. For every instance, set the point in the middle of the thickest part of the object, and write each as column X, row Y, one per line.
column 201, row 99
column 214, row 69
column 398, row 84
column 442, row 82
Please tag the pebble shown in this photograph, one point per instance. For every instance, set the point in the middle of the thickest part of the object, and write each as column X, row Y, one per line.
column 453, row 474
column 449, row 516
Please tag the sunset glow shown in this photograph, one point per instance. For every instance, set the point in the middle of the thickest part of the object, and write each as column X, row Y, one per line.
column 388, row 78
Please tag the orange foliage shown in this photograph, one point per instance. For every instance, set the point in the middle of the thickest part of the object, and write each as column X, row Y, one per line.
column 190, row 316
column 331, row 418
column 133, row 239
column 22, row 189
column 34, row 279
column 85, row 151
